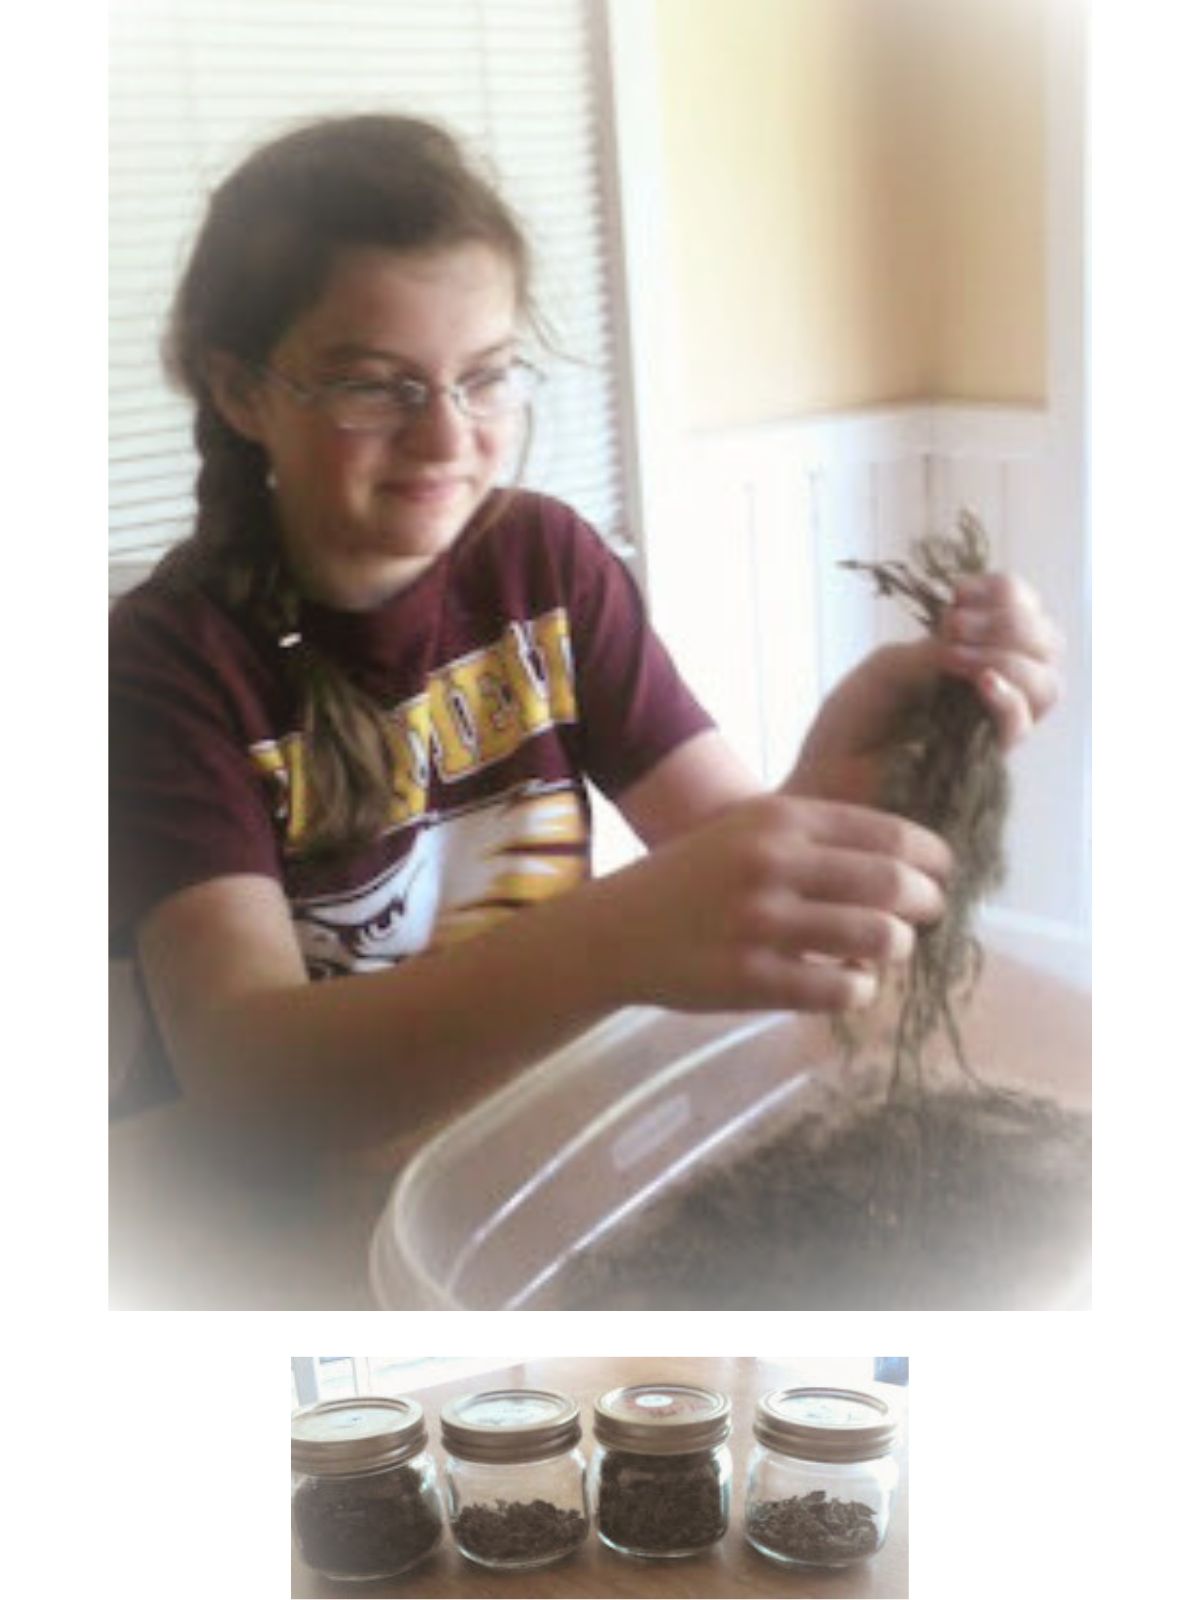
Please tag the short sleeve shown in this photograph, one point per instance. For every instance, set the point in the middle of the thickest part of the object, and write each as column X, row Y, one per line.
column 635, row 707
column 185, row 803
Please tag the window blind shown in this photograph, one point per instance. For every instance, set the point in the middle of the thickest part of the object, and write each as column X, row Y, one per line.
column 196, row 84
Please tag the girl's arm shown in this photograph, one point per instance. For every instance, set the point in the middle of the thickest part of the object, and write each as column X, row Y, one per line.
column 772, row 903
column 699, row 779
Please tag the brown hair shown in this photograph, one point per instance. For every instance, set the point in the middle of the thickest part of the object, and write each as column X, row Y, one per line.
column 264, row 253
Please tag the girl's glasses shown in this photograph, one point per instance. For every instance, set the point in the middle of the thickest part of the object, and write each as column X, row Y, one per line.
column 377, row 405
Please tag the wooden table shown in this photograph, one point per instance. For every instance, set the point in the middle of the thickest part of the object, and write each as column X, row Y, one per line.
column 190, row 1230
column 732, row 1568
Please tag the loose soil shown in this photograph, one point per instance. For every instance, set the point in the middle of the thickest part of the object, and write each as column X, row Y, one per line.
column 966, row 1196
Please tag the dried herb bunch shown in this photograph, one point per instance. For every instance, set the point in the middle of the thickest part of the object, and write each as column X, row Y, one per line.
column 944, row 769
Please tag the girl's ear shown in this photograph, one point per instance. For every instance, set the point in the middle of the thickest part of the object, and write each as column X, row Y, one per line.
column 235, row 392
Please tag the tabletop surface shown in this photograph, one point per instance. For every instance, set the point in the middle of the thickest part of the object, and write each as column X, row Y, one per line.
column 190, row 1230
column 732, row 1568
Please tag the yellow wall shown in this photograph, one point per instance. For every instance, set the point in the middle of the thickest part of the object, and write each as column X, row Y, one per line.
column 989, row 175
column 854, row 194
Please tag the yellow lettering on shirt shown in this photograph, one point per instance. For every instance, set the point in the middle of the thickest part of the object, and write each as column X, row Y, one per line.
column 553, row 637
column 476, row 711
column 409, row 740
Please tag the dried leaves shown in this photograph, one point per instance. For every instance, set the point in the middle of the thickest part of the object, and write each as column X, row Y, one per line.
column 518, row 1533
column 661, row 1504
column 370, row 1525
column 814, row 1529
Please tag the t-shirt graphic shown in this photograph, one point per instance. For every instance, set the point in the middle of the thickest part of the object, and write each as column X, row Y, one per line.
column 465, row 872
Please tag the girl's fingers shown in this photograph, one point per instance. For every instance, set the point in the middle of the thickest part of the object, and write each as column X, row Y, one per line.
column 1037, row 682
column 831, row 879
column 1007, row 705
column 809, row 983
column 863, row 833
column 871, row 939
column 1025, row 631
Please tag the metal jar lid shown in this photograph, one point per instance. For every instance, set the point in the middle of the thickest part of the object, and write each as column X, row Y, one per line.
column 338, row 1437
column 510, row 1425
column 821, row 1424
column 661, row 1419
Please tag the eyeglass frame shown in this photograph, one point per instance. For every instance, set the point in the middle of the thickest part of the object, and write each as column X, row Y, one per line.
column 422, row 390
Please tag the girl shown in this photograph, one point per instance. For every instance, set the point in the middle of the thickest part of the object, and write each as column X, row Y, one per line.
column 354, row 712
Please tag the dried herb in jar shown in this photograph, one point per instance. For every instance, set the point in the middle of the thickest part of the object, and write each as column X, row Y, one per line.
column 669, row 1502
column 814, row 1528
column 373, row 1523
column 518, row 1531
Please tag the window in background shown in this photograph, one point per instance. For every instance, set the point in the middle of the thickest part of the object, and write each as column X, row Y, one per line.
column 195, row 84
column 341, row 1377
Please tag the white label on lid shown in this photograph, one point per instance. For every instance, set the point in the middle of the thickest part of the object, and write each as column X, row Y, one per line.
column 364, row 1422
column 508, row 1411
column 829, row 1411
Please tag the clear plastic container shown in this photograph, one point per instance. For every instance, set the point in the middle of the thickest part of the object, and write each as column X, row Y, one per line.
column 501, row 1209
column 516, row 1477
column 365, row 1501
column 661, row 1469
column 820, row 1476
column 490, row 1210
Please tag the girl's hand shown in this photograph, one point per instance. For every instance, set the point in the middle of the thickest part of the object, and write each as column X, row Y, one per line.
column 780, row 903
column 995, row 634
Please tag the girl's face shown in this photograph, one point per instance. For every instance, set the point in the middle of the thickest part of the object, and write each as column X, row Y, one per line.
column 362, row 514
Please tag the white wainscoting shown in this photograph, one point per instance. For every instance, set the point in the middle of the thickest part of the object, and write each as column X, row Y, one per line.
column 742, row 571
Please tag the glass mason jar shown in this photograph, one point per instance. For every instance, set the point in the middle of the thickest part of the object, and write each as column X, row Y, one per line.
column 661, row 1469
column 365, row 1502
column 820, row 1476
column 516, row 1477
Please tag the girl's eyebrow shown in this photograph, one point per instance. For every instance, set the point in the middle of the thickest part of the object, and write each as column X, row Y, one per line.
column 363, row 352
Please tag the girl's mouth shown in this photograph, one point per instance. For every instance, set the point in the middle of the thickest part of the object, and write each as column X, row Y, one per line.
column 425, row 491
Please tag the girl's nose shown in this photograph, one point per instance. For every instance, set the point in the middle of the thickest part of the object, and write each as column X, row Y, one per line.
column 435, row 433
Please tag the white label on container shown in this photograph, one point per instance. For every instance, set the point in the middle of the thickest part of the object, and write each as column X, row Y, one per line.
column 651, row 1132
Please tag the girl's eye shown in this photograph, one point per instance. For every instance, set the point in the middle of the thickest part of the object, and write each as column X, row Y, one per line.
column 488, row 378
column 364, row 386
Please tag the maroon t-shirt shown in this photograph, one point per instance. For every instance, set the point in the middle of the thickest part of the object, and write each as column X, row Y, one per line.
column 519, row 663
